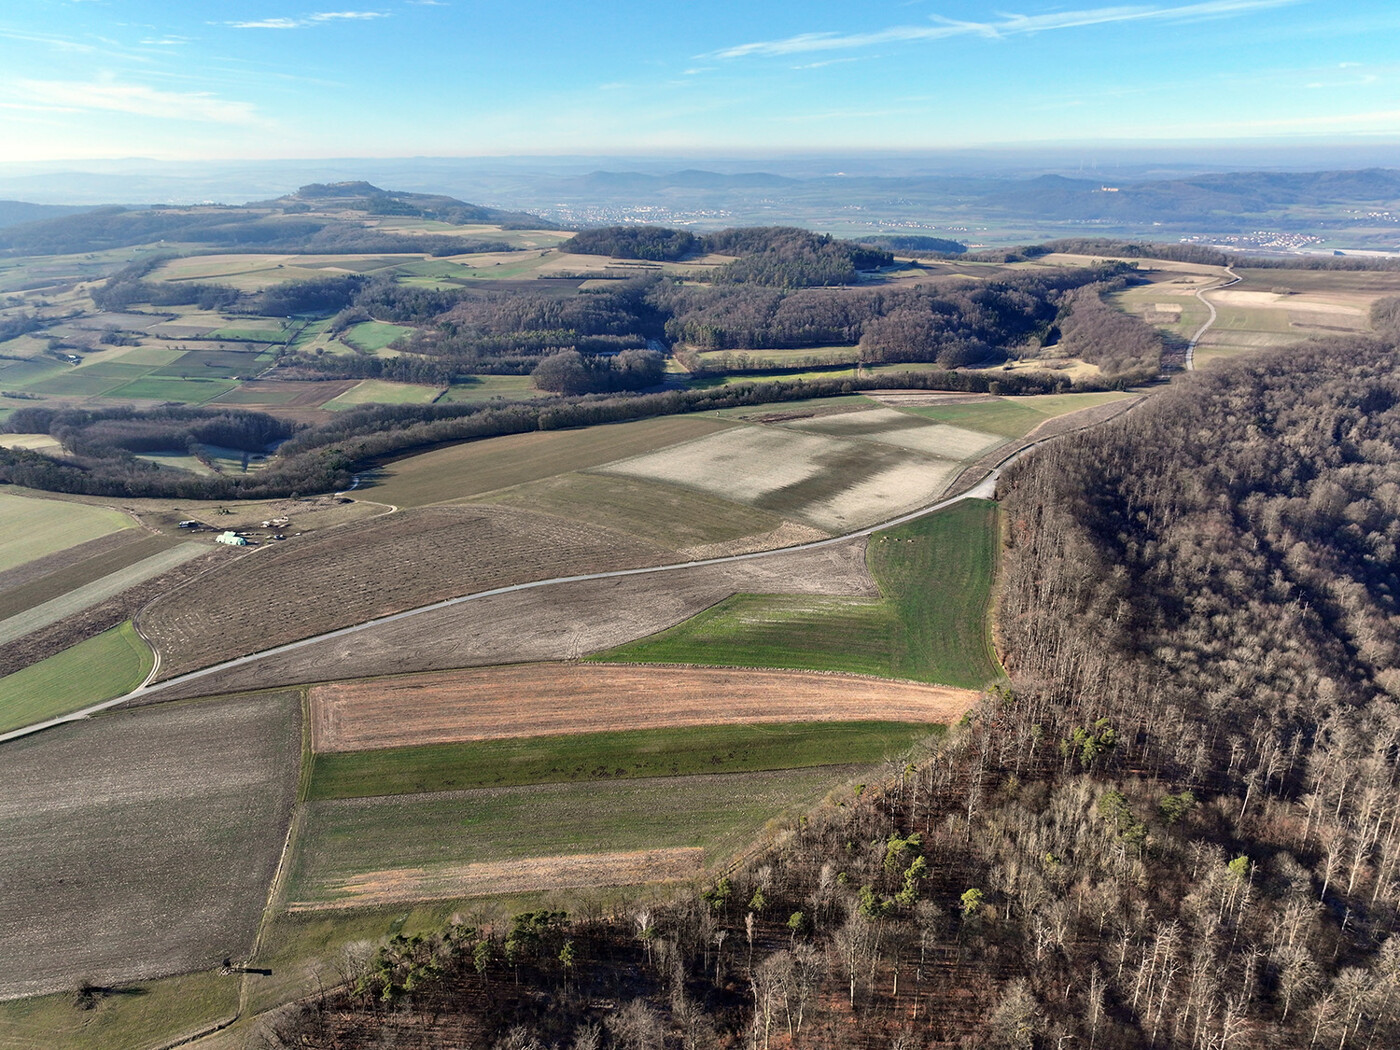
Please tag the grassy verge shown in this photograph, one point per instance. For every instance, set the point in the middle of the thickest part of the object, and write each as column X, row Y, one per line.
column 127, row 1017
column 112, row 663
column 609, row 756
column 930, row 625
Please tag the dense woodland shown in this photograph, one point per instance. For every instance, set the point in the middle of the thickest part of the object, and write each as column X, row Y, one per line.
column 1177, row 825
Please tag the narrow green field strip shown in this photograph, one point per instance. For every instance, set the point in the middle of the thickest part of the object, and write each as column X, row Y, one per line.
column 17, row 599
column 157, row 388
column 997, row 417
column 930, row 625
column 33, row 528
column 99, row 590
column 112, row 663
column 344, row 838
column 489, row 388
column 793, row 632
column 609, row 756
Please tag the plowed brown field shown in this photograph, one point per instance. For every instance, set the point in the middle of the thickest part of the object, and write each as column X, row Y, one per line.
column 559, row 699
column 560, row 622
column 344, row 576
column 524, row 875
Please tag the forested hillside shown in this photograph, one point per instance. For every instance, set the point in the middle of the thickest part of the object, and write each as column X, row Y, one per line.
column 1177, row 827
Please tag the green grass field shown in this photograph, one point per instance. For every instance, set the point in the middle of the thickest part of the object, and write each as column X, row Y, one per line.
column 384, row 392
column 375, row 335
column 164, row 388
column 1011, row 417
column 609, row 756
column 112, row 663
column 134, row 1017
column 930, row 625
column 490, row 388
column 720, row 814
column 35, row 528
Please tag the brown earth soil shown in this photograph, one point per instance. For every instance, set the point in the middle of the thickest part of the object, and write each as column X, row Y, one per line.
column 523, row 875
column 560, row 622
column 332, row 579
column 140, row 844
column 496, row 703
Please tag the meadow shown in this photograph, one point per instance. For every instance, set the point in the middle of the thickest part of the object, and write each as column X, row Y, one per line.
column 34, row 528
column 107, row 665
column 595, row 757
column 929, row 625
column 350, row 839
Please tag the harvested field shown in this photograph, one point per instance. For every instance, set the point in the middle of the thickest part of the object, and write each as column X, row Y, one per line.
column 34, row 615
column 285, row 392
column 563, row 621
column 903, row 430
column 825, row 481
column 650, row 510
column 522, row 875
column 380, row 391
column 477, row 467
column 558, row 699
column 344, row 576
column 35, row 528
column 348, row 839
column 147, row 840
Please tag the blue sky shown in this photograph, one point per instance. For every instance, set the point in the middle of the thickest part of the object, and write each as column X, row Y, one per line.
column 225, row 79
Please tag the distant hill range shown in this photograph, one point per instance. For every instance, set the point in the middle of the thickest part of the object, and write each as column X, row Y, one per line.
column 322, row 217
column 1224, row 203
column 12, row 213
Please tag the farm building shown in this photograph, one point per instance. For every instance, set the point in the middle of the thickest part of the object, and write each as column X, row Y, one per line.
column 231, row 538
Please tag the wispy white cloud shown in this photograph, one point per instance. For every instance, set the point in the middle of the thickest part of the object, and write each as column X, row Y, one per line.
column 1003, row 26
column 310, row 20
column 140, row 99
column 57, row 43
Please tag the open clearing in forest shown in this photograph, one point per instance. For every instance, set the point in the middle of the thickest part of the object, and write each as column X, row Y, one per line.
column 560, row 699
column 562, row 621
column 828, row 482
column 370, row 391
column 110, row 664
column 678, row 751
column 473, row 468
column 33, row 528
column 335, row 578
column 355, row 839
column 146, row 839
column 930, row 625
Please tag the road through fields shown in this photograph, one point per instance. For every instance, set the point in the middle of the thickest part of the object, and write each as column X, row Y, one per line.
column 984, row 489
